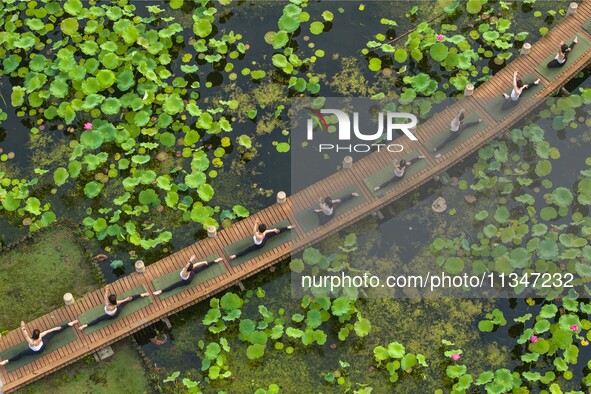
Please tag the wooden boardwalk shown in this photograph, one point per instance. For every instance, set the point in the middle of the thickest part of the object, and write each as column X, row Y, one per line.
column 88, row 344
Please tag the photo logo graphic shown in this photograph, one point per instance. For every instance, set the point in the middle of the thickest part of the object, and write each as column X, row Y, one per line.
column 347, row 129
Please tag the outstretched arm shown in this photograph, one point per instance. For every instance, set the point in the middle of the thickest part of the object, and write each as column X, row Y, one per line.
column 515, row 82
column 25, row 333
column 256, row 226
column 106, row 296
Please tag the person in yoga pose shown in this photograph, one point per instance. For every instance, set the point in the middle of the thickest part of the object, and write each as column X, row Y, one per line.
column 188, row 273
column 518, row 88
column 328, row 207
column 562, row 55
column 37, row 340
column 457, row 126
column 399, row 172
column 260, row 237
column 113, row 307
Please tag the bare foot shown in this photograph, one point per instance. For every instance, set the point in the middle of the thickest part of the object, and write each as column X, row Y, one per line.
column 157, row 292
column 232, row 257
column 72, row 323
column 537, row 81
column 4, row 362
column 290, row 227
column 145, row 294
column 421, row 157
column 375, row 189
column 355, row 194
column 479, row 120
column 506, row 96
column 82, row 327
column 576, row 39
column 218, row 260
column 434, row 149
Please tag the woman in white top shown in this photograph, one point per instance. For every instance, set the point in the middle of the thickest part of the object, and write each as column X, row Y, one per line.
column 260, row 237
column 37, row 340
column 518, row 88
column 457, row 125
column 188, row 273
column 561, row 56
column 328, row 206
column 399, row 173
column 113, row 307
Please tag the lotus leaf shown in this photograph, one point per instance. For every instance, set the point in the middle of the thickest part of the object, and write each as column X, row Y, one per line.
column 60, row 176
column 362, row 327
column 92, row 189
column 562, row 197
column 316, row 27
column 455, row 371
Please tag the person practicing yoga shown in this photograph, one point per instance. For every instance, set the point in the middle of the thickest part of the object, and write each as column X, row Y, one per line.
column 399, row 172
column 37, row 340
column 562, row 55
column 518, row 88
column 113, row 307
column 457, row 126
column 188, row 273
column 328, row 207
column 260, row 237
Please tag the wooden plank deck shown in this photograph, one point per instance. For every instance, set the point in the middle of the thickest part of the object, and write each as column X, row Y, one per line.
column 88, row 344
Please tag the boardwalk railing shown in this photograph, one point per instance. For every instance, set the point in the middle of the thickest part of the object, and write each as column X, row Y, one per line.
column 85, row 344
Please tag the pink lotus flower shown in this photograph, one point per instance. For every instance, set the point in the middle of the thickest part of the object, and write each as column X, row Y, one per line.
column 87, row 126
column 455, row 356
column 440, row 37
column 574, row 327
column 533, row 339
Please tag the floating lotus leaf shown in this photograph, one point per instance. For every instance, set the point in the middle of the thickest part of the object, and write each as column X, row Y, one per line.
column 520, row 258
column 502, row 214
column 455, row 371
column 547, row 249
column 362, row 327
column 438, row 51
column 484, row 377
column 60, row 176
column 280, row 39
column 548, row 213
column 583, row 270
column 202, row 27
column 195, row 179
column 246, row 327
column 562, row 197
column 125, row 80
column 91, row 139
column 111, row 106
column 230, row 301
column 74, row 167
column 408, row 361
column 283, row 147
column 474, row 6
column 296, row 265
column 105, row 78
column 245, row 141
column 279, row 60
column 256, row 351
column 543, row 168
column 288, row 23
column 313, row 318
column 316, row 27
column 400, row 55
column 454, row 265
column 148, row 197
column 548, row 311
column 173, row 104
column 92, row 189
column 33, row 205
column 375, row 64
column 69, row 26
column 73, row 7
column 312, row 256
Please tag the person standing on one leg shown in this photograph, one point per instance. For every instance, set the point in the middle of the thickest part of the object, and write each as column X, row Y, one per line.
column 37, row 340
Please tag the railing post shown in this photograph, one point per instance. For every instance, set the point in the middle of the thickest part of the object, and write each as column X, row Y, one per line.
column 69, row 299
column 347, row 163
column 572, row 8
column 281, row 198
column 140, row 268
column 212, row 232
column 469, row 90
column 525, row 49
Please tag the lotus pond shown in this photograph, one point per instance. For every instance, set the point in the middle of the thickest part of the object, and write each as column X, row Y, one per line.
column 145, row 122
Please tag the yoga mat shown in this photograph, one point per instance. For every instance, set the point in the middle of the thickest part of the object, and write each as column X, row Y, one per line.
column 64, row 337
column 273, row 242
column 587, row 26
column 99, row 310
column 581, row 48
column 463, row 137
column 388, row 172
column 308, row 220
column 208, row 273
column 493, row 107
